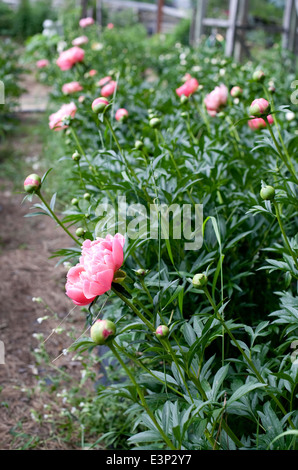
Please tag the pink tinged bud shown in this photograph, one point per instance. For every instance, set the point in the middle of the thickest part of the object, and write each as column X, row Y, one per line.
column 42, row 63
column 188, row 88
column 258, row 76
column 92, row 73
column 99, row 105
column 162, row 331
column 102, row 331
column 121, row 115
column 109, row 89
column 236, row 91
column 32, row 183
column 257, row 124
column 259, row 107
column 103, row 81
column 110, row 26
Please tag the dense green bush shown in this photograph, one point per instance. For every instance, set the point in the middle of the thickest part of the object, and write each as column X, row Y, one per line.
column 225, row 377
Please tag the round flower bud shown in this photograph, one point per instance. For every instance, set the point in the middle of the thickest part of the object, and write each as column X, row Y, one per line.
column 259, row 107
column 199, row 280
column 236, row 91
column 87, row 196
column 258, row 76
column 102, row 331
column 76, row 156
column 99, row 104
column 154, row 122
column 267, row 193
column 80, row 232
column 121, row 115
column 183, row 99
column 139, row 144
column 75, row 201
column 32, row 183
column 162, row 331
column 141, row 272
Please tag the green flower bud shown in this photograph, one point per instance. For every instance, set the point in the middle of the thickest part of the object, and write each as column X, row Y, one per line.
column 267, row 193
column 80, row 232
column 75, row 201
column 258, row 76
column 183, row 99
column 141, row 272
column 87, row 196
column 76, row 156
column 199, row 280
column 102, row 331
column 119, row 276
column 162, row 331
column 155, row 122
column 139, row 144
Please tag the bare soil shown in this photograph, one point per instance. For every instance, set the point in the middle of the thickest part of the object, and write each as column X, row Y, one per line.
column 26, row 273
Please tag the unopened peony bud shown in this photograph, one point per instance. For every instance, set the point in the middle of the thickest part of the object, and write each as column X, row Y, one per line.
column 141, row 272
column 121, row 115
column 236, row 91
column 199, row 280
column 102, row 331
column 259, row 107
column 99, row 104
column 80, row 232
column 267, row 193
column 32, row 183
column 87, row 196
column 258, row 76
column 162, row 331
column 155, row 122
column 183, row 99
column 139, row 144
column 75, row 201
column 76, row 156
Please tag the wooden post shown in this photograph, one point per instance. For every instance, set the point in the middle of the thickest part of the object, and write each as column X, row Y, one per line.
column 159, row 15
column 84, row 5
column 287, row 24
column 240, row 33
column 200, row 15
column 99, row 12
column 230, row 36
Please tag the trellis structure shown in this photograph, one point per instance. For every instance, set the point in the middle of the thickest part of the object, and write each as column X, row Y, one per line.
column 237, row 24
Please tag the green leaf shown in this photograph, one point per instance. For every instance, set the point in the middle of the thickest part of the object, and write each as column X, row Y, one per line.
column 243, row 390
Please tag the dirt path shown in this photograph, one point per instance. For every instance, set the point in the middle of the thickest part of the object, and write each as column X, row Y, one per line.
column 27, row 273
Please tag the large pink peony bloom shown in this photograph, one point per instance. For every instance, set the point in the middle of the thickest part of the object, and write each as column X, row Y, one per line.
column 109, row 89
column 84, row 22
column 56, row 119
column 94, row 273
column 188, row 88
column 71, row 87
column 259, row 123
column 216, row 99
column 70, row 57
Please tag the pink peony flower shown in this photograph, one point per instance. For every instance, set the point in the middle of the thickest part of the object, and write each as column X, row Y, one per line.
column 188, row 88
column 71, row 87
column 92, row 72
column 103, row 81
column 121, row 114
column 259, row 123
column 109, row 89
column 56, row 119
column 110, row 26
column 216, row 99
column 258, row 107
column 42, row 63
column 93, row 275
column 79, row 41
column 84, row 22
column 70, row 57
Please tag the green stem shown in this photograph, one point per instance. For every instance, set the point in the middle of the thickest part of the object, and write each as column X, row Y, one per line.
column 134, row 309
column 56, row 218
column 278, row 215
column 142, row 398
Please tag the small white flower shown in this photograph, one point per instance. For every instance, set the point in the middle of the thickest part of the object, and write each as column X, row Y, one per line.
column 41, row 319
column 290, row 116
